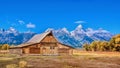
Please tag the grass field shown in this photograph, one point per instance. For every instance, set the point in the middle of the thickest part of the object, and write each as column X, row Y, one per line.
column 78, row 60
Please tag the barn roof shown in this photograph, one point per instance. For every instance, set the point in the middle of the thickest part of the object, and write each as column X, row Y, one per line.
column 38, row 37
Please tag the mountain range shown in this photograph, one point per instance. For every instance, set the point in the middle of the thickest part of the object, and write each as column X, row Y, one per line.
column 12, row 36
column 75, row 38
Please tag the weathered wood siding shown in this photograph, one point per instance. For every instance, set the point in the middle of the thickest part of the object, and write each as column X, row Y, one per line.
column 63, row 49
column 46, row 50
column 15, row 51
column 25, row 50
column 4, row 51
column 49, row 38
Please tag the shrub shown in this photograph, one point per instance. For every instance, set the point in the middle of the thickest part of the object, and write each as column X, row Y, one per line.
column 12, row 66
column 22, row 64
column 87, row 47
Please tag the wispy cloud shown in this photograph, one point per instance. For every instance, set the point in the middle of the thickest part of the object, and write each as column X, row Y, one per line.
column 21, row 22
column 30, row 25
column 80, row 22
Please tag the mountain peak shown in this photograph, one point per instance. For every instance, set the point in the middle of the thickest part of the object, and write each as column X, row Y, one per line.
column 12, row 30
column 79, row 27
column 65, row 30
column 49, row 29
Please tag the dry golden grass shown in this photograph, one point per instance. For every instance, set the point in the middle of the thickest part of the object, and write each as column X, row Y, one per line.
column 5, row 59
column 11, row 66
column 81, row 59
column 22, row 64
column 99, row 54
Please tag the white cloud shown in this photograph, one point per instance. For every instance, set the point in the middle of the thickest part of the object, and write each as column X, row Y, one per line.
column 21, row 22
column 30, row 25
column 80, row 22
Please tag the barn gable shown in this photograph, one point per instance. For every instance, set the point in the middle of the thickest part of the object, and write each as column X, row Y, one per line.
column 49, row 38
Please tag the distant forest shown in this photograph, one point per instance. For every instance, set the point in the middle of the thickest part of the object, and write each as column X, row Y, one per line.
column 112, row 45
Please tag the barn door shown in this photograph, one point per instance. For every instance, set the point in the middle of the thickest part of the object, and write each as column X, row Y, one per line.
column 35, row 50
column 49, row 50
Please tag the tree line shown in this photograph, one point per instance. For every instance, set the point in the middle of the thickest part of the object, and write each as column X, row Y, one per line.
column 4, row 46
column 112, row 45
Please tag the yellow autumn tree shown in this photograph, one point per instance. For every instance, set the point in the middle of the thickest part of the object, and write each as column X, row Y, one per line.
column 5, row 47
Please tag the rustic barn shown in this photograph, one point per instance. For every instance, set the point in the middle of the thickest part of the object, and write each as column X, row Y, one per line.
column 43, row 44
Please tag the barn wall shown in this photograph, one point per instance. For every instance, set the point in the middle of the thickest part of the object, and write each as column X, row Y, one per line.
column 71, row 52
column 15, row 51
column 49, row 49
column 64, row 50
column 26, row 50
column 4, row 51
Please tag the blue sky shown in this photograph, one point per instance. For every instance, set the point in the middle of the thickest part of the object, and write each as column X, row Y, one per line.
column 38, row 15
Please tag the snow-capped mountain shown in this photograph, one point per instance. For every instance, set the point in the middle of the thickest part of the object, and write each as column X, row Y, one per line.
column 80, row 35
column 63, row 35
column 74, row 38
column 12, row 36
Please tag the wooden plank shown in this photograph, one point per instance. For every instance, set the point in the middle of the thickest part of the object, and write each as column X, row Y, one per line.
column 34, row 50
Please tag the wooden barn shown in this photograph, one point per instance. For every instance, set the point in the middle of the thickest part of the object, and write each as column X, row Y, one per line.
column 43, row 44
